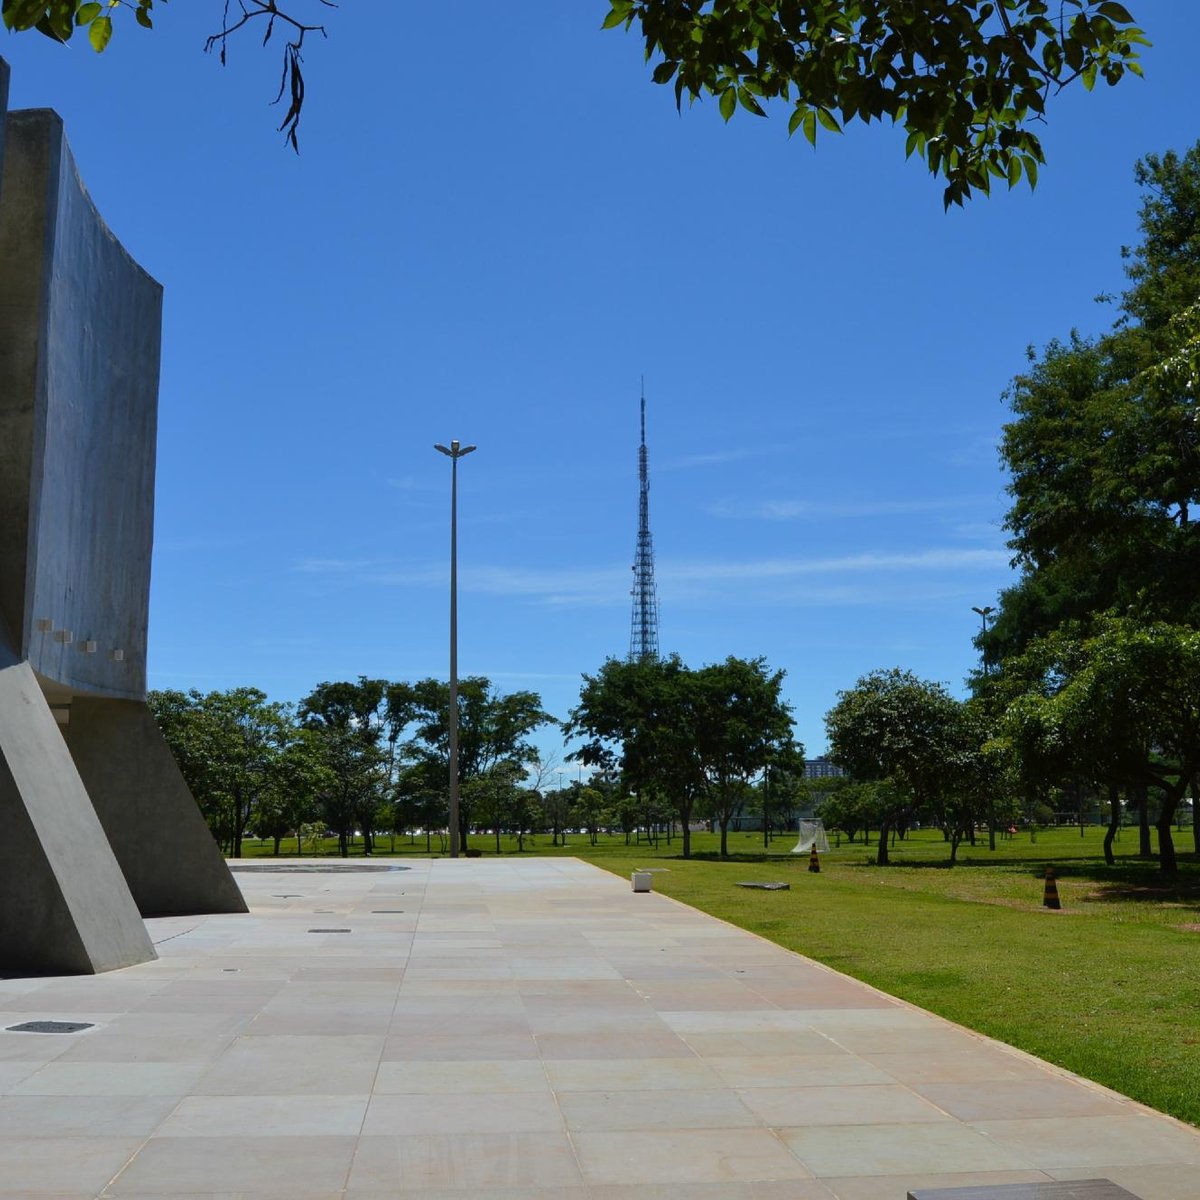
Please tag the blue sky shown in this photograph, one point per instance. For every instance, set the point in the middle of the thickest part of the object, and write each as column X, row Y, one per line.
column 495, row 229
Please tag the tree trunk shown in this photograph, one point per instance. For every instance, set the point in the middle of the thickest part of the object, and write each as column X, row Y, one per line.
column 1114, row 822
column 1141, row 798
column 278, row 840
column 955, row 841
column 1166, row 817
column 685, row 824
column 1195, row 823
column 1166, row 847
column 497, row 839
column 724, row 836
column 881, row 855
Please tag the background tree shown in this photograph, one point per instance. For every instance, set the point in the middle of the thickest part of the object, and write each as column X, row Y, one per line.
column 855, row 807
column 230, row 747
column 686, row 736
column 1122, row 704
column 587, row 810
column 742, row 725
column 348, row 721
column 639, row 717
column 290, row 798
column 1104, row 450
column 892, row 725
column 493, row 728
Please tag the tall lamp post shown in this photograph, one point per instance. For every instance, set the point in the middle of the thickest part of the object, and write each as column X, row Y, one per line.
column 984, row 612
column 454, row 452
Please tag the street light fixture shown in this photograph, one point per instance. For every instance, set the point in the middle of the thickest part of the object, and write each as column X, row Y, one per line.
column 454, row 452
column 984, row 612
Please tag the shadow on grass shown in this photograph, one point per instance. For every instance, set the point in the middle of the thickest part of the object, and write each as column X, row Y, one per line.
column 1140, row 879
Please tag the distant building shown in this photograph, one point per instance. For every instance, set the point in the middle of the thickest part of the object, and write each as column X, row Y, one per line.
column 822, row 768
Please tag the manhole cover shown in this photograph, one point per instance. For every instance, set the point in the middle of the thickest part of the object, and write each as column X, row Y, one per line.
column 50, row 1027
column 315, row 869
column 329, row 931
column 768, row 887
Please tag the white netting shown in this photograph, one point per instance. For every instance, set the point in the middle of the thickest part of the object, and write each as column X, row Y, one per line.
column 812, row 833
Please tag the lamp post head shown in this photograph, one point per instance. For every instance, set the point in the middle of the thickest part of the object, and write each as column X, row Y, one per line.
column 454, row 450
column 985, row 612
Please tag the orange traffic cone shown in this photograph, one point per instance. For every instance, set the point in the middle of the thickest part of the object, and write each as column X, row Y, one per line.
column 1050, row 895
column 814, row 862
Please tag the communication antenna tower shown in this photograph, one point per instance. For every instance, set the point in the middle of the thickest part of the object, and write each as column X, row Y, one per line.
column 643, row 636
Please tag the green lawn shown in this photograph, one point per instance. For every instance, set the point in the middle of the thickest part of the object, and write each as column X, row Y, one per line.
column 1109, row 987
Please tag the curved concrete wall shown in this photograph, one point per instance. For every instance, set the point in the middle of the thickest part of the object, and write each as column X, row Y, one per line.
column 80, row 326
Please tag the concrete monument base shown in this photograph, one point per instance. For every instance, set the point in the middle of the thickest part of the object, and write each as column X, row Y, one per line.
column 168, row 856
column 64, row 904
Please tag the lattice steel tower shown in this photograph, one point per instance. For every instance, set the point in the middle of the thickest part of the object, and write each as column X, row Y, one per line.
column 643, row 634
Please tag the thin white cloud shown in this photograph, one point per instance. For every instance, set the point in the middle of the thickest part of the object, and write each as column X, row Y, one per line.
column 411, row 483
column 336, row 566
column 850, row 579
column 713, row 459
column 793, row 510
column 775, row 568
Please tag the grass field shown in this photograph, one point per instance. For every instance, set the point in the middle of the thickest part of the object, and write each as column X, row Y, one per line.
column 1109, row 987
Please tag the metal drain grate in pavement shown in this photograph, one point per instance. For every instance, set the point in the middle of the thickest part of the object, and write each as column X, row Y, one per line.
column 329, row 931
column 50, row 1027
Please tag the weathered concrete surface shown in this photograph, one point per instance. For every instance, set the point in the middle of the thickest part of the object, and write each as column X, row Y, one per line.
column 80, row 324
column 79, row 362
column 155, row 829
column 64, row 904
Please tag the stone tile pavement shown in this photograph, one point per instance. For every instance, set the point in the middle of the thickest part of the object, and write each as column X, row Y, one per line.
column 523, row 1030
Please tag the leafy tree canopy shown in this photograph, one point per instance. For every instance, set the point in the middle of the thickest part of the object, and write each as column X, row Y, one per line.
column 895, row 726
column 1104, row 448
column 965, row 79
column 690, row 735
column 1118, row 703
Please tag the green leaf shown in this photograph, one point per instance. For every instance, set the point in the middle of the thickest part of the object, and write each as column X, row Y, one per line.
column 810, row 127
column 1031, row 169
column 1014, row 171
column 1115, row 12
column 728, row 102
column 143, row 17
column 748, row 102
column 1089, row 75
column 828, row 120
column 99, row 33
column 87, row 13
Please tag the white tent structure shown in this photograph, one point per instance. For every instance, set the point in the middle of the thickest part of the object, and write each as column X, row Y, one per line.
column 812, row 833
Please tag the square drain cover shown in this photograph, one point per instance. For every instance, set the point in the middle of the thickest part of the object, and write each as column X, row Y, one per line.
column 329, row 931
column 50, row 1027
